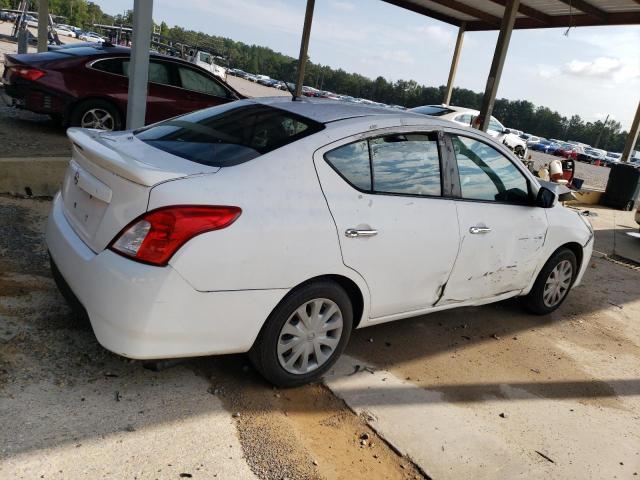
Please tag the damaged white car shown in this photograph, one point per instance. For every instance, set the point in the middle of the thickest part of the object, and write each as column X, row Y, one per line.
column 275, row 227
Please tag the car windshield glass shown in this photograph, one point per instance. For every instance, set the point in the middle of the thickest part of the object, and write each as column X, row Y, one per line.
column 229, row 134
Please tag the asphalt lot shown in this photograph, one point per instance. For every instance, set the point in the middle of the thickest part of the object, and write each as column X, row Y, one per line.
column 486, row 392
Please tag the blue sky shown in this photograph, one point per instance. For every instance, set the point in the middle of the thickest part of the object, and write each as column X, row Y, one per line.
column 593, row 71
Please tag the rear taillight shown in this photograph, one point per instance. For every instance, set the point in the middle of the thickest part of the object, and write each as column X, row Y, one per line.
column 155, row 236
column 27, row 73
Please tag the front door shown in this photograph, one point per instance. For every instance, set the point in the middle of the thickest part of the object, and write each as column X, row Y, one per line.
column 502, row 232
column 394, row 226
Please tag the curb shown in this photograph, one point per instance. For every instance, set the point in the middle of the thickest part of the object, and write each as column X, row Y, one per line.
column 32, row 176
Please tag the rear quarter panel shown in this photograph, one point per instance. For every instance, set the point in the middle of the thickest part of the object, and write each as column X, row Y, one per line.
column 284, row 236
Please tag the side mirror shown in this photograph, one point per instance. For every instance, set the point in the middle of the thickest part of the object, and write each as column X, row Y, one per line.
column 545, row 198
column 506, row 131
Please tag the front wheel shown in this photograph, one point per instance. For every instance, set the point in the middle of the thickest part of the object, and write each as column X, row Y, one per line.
column 304, row 336
column 553, row 283
column 519, row 151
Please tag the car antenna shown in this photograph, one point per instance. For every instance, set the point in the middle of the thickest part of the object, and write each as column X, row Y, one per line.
column 293, row 95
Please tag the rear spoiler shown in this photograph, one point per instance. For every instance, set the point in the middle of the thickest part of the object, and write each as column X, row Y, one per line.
column 87, row 144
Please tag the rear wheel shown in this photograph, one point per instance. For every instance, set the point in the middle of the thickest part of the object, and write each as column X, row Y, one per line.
column 304, row 336
column 96, row 113
column 553, row 283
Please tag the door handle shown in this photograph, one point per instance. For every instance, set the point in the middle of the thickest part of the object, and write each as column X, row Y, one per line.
column 479, row 229
column 353, row 233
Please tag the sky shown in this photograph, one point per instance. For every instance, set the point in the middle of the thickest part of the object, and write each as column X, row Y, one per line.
column 592, row 71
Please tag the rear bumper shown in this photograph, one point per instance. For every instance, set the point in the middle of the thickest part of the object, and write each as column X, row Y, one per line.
column 34, row 98
column 145, row 312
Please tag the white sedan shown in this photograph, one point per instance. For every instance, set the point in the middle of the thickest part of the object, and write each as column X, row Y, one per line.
column 275, row 227
column 466, row 116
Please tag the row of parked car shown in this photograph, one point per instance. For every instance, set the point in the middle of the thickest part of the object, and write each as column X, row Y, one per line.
column 307, row 91
column 60, row 28
column 573, row 150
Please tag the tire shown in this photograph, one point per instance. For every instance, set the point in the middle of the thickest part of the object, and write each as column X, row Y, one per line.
column 99, row 112
column 535, row 301
column 271, row 362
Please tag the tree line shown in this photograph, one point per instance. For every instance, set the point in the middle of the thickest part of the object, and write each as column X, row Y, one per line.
column 519, row 114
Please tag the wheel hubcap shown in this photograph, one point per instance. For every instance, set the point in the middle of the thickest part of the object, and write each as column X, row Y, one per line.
column 557, row 284
column 310, row 336
column 97, row 118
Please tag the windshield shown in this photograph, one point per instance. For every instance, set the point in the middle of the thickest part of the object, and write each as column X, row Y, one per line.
column 229, row 134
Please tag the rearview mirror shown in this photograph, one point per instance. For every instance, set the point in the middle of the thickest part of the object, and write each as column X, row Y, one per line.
column 545, row 198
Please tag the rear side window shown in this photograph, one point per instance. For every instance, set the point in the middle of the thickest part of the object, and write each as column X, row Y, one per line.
column 229, row 134
column 402, row 164
column 110, row 65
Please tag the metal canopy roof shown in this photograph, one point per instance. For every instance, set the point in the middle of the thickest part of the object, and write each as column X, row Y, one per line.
column 487, row 14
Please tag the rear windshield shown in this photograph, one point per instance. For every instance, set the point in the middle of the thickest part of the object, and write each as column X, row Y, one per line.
column 433, row 110
column 229, row 134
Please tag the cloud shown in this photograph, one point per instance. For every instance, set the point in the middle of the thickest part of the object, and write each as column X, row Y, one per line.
column 604, row 67
column 343, row 6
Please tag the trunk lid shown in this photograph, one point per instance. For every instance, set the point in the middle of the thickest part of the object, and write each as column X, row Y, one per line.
column 109, row 178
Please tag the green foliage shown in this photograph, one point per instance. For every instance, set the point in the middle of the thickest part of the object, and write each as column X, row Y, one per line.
column 518, row 114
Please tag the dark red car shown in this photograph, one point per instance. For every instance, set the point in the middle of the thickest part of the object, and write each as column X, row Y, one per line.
column 87, row 86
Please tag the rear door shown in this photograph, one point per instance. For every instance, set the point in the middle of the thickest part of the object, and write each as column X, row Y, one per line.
column 395, row 226
column 502, row 232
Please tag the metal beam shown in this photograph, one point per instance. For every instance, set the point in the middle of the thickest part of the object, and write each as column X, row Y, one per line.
column 563, row 21
column 454, row 64
column 587, row 8
column 499, row 56
column 529, row 12
column 43, row 25
column 632, row 138
column 469, row 10
column 139, row 64
column 429, row 12
column 304, row 46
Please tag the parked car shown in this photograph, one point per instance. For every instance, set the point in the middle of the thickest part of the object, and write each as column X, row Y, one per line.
column 31, row 21
column 532, row 140
column 610, row 158
column 66, row 31
column 591, row 155
column 88, row 86
column 91, row 37
column 541, row 145
column 465, row 116
column 7, row 16
column 154, row 232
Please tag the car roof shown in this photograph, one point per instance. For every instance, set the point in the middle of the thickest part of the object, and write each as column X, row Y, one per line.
column 100, row 50
column 325, row 110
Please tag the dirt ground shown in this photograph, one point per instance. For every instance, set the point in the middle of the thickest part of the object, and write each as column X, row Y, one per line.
column 70, row 409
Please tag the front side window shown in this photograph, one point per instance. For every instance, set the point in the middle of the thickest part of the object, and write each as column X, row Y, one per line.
column 486, row 174
column 192, row 80
column 495, row 125
column 405, row 164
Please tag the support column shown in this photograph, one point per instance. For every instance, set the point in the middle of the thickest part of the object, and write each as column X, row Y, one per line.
column 502, row 45
column 304, row 45
column 454, row 63
column 139, row 64
column 43, row 25
column 632, row 138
